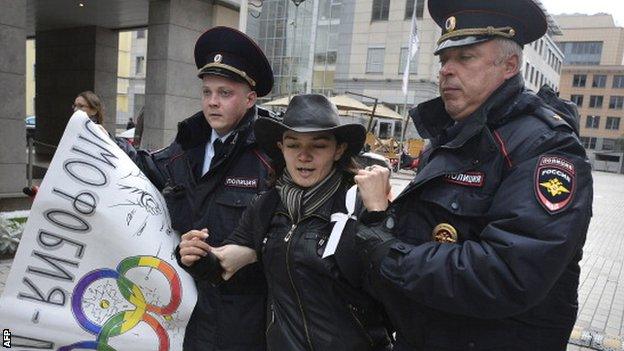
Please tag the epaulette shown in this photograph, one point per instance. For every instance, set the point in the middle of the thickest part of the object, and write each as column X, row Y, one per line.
column 552, row 118
column 555, row 108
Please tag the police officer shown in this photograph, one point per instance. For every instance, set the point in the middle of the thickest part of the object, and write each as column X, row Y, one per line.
column 481, row 250
column 208, row 175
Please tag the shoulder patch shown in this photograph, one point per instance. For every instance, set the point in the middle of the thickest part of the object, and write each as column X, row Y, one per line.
column 554, row 183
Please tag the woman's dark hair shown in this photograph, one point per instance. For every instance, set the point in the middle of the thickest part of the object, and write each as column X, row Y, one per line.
column 346, row 164
column 95, row 103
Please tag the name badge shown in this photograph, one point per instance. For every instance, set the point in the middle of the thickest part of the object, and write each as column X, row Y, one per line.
column 240, row 182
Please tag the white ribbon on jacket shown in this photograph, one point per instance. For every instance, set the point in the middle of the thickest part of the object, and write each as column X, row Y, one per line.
column 341, row 220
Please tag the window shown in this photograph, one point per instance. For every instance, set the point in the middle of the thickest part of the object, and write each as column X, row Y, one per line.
column 327, row 9
column 532, row 74
column 385, row 130
column 140, row 65
column 577, row 99
column 398, row 126
column 579, row 80
column 526, row 71
column 613, row 123
column 608, row 144
column 618, row 81
column 413, row 68
column 595, row 101
column 592, row 122
column 616, row 102
column 409, row 8
column 375, row 60
column 581, row 52
column 589, row 143
column 380, row 10
column 600, row 80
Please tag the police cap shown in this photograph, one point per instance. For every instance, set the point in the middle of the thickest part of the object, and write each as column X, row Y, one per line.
column 226, row 52
column 467, row 22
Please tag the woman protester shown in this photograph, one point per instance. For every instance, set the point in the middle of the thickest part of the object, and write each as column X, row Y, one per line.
column 315, row 303
column 90, row 103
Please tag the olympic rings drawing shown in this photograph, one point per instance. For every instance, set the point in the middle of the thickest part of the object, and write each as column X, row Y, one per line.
column 123, row 321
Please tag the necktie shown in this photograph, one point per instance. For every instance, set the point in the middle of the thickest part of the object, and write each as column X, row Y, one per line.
column 218, row 149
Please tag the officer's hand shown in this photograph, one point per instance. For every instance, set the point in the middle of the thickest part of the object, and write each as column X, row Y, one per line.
column 373, row 243
column 193, row 247
column 374, row 185
column 233, row 257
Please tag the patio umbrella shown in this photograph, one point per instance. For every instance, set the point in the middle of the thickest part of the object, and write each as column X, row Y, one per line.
column 278, row 102
column 347, row 103
column 384, row 111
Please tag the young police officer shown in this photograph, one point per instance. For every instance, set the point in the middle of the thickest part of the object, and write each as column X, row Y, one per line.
column 209, row 174
column 481, row 250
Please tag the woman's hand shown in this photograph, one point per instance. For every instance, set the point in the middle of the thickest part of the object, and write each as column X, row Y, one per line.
column 233, row 257
column 193, row 247
column 374, row 185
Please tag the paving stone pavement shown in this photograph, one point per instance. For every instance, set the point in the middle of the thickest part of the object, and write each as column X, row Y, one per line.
column 601, row 290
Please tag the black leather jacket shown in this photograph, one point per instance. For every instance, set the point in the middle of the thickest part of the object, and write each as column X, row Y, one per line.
column 312, row 306
column 229, row 317
column 514, row 183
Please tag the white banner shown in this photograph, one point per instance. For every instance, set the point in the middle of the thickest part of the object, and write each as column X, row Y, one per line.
column 95, row 268
column 412, row 46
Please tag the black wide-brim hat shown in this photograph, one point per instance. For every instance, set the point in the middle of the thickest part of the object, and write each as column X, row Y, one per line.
column 305, row 114
column 467, row 22
column 229, row 53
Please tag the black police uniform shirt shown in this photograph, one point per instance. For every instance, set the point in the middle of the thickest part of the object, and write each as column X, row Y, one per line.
column 231, row 316
column 491, row 230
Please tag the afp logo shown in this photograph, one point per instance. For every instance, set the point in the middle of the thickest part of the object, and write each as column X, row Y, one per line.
column 6, row 338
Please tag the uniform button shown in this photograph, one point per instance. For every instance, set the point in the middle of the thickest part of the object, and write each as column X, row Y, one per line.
column 238, row 202
column 471, row 345
column 455, row 206
column 389, row 223
column 475, row 162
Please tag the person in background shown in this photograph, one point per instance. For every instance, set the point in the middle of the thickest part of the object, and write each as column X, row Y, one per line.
column 130, row 124
column 481, row 250
column 209, row 175
column 90, row 103
column 315, row 302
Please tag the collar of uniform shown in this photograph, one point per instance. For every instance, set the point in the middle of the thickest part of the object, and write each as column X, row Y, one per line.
column 431, row 119
column 195, row 130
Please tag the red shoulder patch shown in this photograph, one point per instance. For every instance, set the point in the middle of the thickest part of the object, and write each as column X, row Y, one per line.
column 555, row 183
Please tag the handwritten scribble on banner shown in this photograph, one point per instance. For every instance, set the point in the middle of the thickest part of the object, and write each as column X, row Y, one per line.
column 95, row 268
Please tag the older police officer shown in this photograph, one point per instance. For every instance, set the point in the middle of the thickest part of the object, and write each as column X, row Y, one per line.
column 481, row 250
column 208, row 175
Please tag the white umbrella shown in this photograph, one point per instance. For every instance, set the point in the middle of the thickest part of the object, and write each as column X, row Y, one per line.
column 128, row 134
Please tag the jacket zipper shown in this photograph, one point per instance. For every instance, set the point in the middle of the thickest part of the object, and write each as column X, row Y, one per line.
column 352, row 310
column 292, row 283
column 290, row 233
column 272, row 321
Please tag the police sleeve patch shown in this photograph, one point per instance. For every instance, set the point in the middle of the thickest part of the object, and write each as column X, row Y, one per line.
column 554, row 183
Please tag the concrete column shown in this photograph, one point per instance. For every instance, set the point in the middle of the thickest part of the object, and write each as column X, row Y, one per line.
column 172, row 89
column 13, row 97
column 69, row 61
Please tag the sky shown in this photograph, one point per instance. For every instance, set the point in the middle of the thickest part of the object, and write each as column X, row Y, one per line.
column 590, row 7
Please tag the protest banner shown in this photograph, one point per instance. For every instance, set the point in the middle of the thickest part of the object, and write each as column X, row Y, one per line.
column 95, row 268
